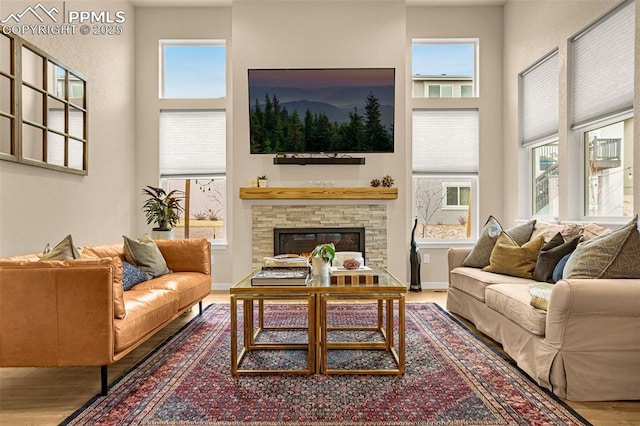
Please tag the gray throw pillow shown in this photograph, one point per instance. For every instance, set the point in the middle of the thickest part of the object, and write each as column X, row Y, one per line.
column 145, row 254
column 613, row 255
column 64, row 250
column 480, row 256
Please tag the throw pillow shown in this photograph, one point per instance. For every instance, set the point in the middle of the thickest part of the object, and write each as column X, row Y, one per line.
column 509, row 258
column 64, row 250
column 613, row 255
column 549, row 230
column 558, row 271
column 145, row 254
column 540, row 295
column 131, row 275
column 480, row 255
column 550, row 255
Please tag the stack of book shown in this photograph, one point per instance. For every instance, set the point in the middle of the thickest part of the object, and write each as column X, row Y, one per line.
column 281, row 270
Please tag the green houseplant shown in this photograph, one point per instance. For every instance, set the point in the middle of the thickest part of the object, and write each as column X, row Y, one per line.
column 162, row 208
column 321, row 257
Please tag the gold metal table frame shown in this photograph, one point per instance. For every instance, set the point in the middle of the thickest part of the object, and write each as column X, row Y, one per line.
column 388, row 292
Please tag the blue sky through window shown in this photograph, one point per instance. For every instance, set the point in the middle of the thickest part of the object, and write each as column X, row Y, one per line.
column 442, row 58
column 194, row 71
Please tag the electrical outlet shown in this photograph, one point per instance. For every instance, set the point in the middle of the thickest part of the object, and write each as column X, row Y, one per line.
column 426, row 258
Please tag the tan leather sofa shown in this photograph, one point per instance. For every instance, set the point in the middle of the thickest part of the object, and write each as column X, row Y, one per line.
column 585, row 347
column 76, row 313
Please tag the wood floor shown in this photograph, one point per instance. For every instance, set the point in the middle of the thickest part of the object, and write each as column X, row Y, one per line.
column 46, row 396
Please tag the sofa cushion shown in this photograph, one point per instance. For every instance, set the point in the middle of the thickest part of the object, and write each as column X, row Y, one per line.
column 64, row 250
column 147, row 311
column 189, row 286
column 514, row 302
column 550, row 255
column 512, row 259
column 558, row 271
column 613, row 255
column 131, row 275
column 473, row 281
column 480, row 255
column 144, row 254
column 548, row 231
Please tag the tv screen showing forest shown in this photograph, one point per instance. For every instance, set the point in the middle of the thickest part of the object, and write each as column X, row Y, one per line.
column 321, row 110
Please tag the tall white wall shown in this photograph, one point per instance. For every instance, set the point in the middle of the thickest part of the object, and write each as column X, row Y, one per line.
column 40, row 206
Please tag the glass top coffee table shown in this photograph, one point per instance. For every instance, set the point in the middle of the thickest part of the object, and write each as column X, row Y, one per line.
column 385, row 294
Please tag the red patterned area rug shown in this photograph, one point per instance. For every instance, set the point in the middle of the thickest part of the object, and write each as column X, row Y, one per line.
column 451, row 378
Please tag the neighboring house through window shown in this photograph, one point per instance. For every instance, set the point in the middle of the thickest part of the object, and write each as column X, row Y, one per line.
column 193, row 133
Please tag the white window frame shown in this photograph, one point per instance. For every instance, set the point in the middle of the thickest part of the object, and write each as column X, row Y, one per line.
column 530, row 177
column 195, row 104
column 476, row 57
column 186, row 42
column 445, row 199
column 580, row 134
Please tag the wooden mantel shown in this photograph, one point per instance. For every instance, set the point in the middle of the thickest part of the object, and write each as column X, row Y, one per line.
column 319, row 193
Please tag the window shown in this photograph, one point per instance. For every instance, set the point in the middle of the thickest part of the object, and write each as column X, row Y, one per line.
column 444, row 68
column 43, row 112
column 602, row 91
column 445, row 167
column 544, row 168
column 193, row 69
column 456, row 196
column 539, row 109
column 193, row 134
column 608, row 153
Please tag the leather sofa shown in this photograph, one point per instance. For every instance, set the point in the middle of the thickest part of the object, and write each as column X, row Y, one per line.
column 584, row 347
column 76, row 313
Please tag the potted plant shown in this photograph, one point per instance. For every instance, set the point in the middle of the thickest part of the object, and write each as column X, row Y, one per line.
column 163, row 209
column 262, row 181
column 321, row 258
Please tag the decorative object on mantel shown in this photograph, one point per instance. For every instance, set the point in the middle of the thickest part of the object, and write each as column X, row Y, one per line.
column 387, row 181
column 414, row 259
column 164, row 209
column 253, row 183
column 262, row 181
column 321, row 258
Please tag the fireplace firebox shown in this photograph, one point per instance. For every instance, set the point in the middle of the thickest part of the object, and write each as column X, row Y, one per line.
column 302, row 241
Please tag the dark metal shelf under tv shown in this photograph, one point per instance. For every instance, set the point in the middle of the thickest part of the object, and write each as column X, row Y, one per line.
column 318, row 160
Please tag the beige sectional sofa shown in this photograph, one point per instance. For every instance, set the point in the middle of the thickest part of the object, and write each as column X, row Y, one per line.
column 586, row 345
column 75, row 312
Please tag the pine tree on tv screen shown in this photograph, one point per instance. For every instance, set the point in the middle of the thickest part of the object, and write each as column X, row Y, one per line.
column 321, row 110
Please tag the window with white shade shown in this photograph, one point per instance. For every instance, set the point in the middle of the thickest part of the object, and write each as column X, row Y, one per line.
column 539, row 110
column 445, row 167
column 193, row 133
column 601, row 82
column 602, row 67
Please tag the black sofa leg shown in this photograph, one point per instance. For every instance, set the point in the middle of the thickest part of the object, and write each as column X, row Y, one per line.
column 200, row 306
column 104, row 379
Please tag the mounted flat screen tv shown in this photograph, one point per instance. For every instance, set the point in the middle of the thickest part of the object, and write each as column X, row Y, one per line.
column 322, row 110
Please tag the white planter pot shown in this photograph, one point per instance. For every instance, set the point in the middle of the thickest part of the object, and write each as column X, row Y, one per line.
column 157, row 234
column 262, row 183
column 320, row 267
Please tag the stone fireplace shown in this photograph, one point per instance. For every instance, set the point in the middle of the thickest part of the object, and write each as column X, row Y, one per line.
column 373, row 218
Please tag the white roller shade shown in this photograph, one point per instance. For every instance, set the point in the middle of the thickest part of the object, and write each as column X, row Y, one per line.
column 602, row 67
column 539, row 99
column 445, row 141
column 192, row 142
